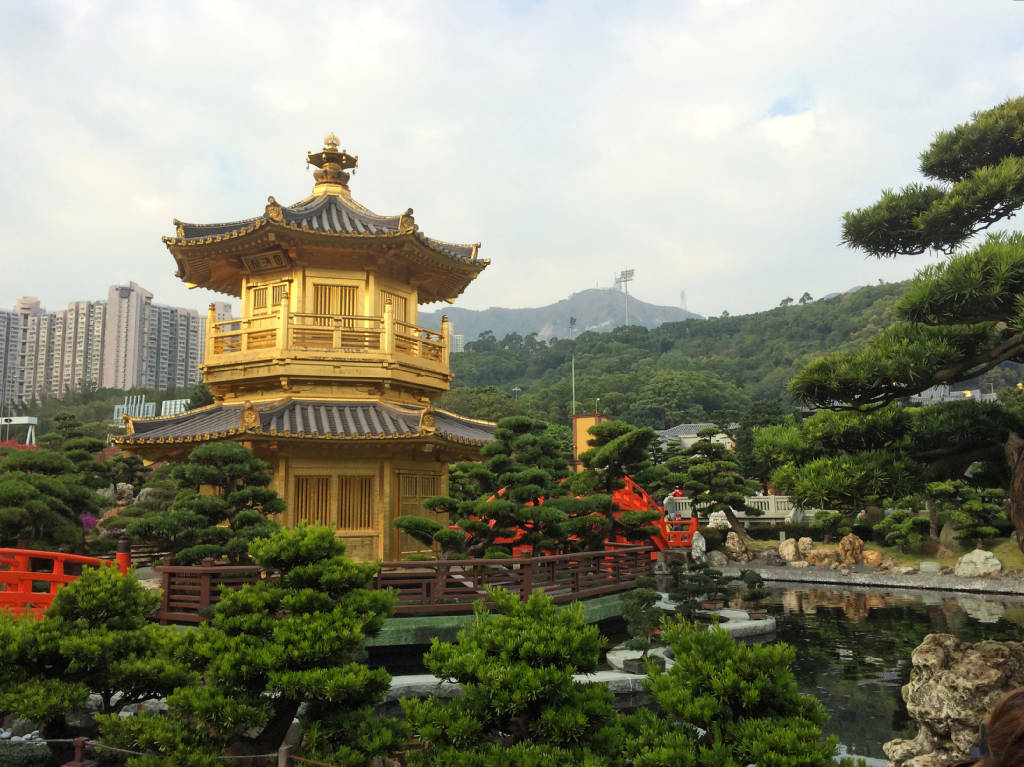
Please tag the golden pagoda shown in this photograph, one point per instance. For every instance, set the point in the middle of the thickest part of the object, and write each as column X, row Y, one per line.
column 326, row 375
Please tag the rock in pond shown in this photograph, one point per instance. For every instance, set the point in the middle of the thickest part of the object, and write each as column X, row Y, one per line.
column 953, row 685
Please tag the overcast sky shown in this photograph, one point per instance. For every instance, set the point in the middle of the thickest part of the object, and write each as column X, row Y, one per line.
column 711, row 145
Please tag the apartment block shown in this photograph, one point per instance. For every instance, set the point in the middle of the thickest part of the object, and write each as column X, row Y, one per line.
column 125, row 342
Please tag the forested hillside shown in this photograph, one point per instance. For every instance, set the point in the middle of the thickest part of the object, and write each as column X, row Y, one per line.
column 598, row 309
column 680, row 371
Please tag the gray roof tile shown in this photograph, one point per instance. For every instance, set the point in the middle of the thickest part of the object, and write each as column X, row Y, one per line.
column 337, row 420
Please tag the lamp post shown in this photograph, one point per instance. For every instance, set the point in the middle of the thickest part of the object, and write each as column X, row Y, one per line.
column 572, row 327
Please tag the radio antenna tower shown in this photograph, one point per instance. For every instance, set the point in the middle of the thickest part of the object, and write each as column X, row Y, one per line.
column 623, row 279
column 682, row 299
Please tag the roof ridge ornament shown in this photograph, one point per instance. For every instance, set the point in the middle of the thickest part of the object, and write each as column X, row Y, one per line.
column 274, row 211
column 406, row 223
column 331, row 165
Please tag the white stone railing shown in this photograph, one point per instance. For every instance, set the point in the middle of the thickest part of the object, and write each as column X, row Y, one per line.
column 774, row 508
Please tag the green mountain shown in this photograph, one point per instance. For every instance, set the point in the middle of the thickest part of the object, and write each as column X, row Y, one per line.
column 595, row 309
column 678, row 371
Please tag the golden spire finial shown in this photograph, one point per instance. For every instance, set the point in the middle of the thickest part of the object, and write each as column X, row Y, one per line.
column 331, row 177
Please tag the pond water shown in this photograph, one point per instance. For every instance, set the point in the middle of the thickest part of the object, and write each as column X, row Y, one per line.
column 853, row 649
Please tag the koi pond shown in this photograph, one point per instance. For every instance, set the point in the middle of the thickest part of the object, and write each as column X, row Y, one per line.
column 853, row 649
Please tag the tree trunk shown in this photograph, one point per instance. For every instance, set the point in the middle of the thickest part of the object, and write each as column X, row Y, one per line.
column 933, row 519
column 736, row 526
column 273, row 732
column 1015, row 501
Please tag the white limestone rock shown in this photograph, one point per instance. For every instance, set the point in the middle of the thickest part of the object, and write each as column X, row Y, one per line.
column 977, row 564
column 788, row 550
column 718, row 520
column 699, row 548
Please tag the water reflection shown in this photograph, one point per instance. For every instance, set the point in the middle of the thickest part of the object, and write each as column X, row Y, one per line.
column 853, row 649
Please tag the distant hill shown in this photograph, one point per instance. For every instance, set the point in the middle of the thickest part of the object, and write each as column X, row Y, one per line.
column 595, row 309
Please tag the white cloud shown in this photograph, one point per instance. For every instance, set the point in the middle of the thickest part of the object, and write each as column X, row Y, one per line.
column 712, row 146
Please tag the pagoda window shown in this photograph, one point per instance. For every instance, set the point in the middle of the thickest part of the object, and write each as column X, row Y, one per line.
column 313, row 501
column 397, row 304
column 330, row 301
column 277, row 294
column 413, row 489
column 259, row 298
column 356, row 503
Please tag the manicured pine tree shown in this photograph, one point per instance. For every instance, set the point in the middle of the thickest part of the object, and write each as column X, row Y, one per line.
column 516, row 492
column 713, row 481
column 960, row 317
column 740, row 703
column 617, row 450
column 520, row 704
column 95, row 639
column 41, row 500
column 292, row 638
column 199, row 525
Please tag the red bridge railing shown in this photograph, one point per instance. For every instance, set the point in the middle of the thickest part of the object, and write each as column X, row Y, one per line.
column 30, row 579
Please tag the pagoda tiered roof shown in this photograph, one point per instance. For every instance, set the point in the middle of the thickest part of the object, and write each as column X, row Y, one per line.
column 303, row 419
column 210, row 255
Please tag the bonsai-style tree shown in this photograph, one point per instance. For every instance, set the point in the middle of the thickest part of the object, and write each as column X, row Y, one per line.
column 130, row 469
column 292, row 638
column 903, row 527
column 972, row 510
column 712, row 477
column 690, row 584
column 642, row 615
column 95, row 639
column 155, row 497
column 517, row 492
column 847, row 461
column 739, row 701
column 617, row 450
column 756, row 590
column 521, row 705
column 960, row 317
column 197, row 524
column 41, row 500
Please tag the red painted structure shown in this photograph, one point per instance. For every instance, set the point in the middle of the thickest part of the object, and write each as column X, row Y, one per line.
column 16, row 445
column 672, row 534
column 23, row 570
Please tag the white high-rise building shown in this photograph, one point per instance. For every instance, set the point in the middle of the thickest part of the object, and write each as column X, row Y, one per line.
column 10, row 335
column 124, row 336
column 126, row 342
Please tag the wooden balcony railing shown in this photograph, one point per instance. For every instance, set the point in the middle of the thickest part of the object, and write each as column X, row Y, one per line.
column 433, row 587
column 332, row 334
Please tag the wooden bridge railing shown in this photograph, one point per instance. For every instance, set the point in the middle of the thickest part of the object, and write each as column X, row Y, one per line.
column 432, row 587
column 190, row 591
column 443, row 586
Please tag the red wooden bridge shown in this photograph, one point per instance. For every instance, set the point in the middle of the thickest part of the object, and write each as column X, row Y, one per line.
column 30, row 579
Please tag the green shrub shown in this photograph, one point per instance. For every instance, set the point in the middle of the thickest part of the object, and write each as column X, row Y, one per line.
column 714, row 538
column 24, row 755
column 903, row 528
